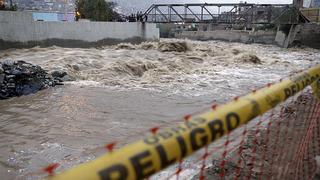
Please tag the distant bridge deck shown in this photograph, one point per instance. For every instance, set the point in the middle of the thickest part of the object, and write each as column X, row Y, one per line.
column 226, row 13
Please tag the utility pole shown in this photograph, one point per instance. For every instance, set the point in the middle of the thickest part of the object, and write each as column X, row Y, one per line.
column 65, row 10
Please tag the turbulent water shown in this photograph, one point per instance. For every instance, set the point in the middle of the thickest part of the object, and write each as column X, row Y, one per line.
column 124, row 90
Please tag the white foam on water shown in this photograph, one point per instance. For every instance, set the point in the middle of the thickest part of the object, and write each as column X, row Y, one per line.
column 179, row 68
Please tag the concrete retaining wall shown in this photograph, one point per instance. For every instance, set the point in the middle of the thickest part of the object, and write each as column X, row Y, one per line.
column 287, row 35
column 17, row 29
column 309, row 35
column 264, row 37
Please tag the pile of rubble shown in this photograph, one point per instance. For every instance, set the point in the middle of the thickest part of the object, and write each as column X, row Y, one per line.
column 22, row 78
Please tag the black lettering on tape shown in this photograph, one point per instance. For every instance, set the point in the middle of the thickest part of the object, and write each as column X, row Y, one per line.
column 116, row 172
column 293, row 89
column 313, row 78
column 308, row 82
column 182, row 145
column 287, row 92
column 255, row 110
column 194, row 135
column 304, row 84
column 216, row 128
column 298, row 87
column 233, row 121
column 142, row 165
column 165, row 162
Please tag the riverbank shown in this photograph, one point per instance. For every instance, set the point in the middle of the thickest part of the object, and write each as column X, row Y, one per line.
column 21, row 78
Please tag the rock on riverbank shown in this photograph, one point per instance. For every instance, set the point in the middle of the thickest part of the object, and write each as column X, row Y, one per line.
column 22, row 78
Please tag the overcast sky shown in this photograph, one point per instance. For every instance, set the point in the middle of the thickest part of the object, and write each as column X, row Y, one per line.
column 249, row 1
column 129, row 6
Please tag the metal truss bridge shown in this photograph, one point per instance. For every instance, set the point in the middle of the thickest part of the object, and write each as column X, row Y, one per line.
column 242, row 13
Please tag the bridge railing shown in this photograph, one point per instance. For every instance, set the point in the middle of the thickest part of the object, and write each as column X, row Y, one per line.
column 271, row 133
column 242, row 13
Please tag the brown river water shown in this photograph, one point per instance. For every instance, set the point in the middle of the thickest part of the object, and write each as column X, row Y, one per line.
column 122, row 91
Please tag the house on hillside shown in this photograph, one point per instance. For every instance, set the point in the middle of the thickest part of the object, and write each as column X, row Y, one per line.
column 53, row 16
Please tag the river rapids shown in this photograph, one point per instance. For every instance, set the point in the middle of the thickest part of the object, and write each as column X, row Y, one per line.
column 122, row 91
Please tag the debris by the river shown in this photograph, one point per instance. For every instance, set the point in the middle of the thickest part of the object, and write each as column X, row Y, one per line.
column 160, row 46
column 125, row 46
column 173, row 46
column 62, row 76
column 22, row 78
column 249, row 58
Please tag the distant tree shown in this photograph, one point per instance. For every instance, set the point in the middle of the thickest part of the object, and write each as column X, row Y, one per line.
column 11, row 7
column 96, row 10
column 2, row 6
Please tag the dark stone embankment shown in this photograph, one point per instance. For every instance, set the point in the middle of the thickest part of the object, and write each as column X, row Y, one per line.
column 68, row 43
column 21, row 78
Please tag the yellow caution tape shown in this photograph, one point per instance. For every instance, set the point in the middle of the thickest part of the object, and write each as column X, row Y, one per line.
column 316, row 88
column 141, row 159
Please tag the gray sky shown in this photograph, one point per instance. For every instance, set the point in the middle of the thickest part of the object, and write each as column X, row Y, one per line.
column 129, row 6
column 249, row 1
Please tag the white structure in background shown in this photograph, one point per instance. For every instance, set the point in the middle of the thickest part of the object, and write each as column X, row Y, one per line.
column 315, row 3
column 311, row 3
column 307, row 3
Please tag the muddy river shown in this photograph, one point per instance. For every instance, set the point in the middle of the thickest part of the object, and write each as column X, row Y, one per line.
column 122, row 91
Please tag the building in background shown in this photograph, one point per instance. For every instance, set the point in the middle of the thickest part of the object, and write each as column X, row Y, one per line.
column 311, row 3
column 45, row 5
column 312, row 12
column 48, row 10
column 315, row 3
column 53, row 16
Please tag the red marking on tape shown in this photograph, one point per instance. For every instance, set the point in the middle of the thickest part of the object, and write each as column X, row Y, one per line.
column 224, row 154
column 254, row 91
column 154, row 130
column 236, row 98
column 205, row 156
column 187, row 117
column 179, row 170
column 244, row 132
column 222, row 175
column 111, row 146
column 214, row 107
column 50, row 169
column 222, row 168
column 269, row 84
column 202, row 177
